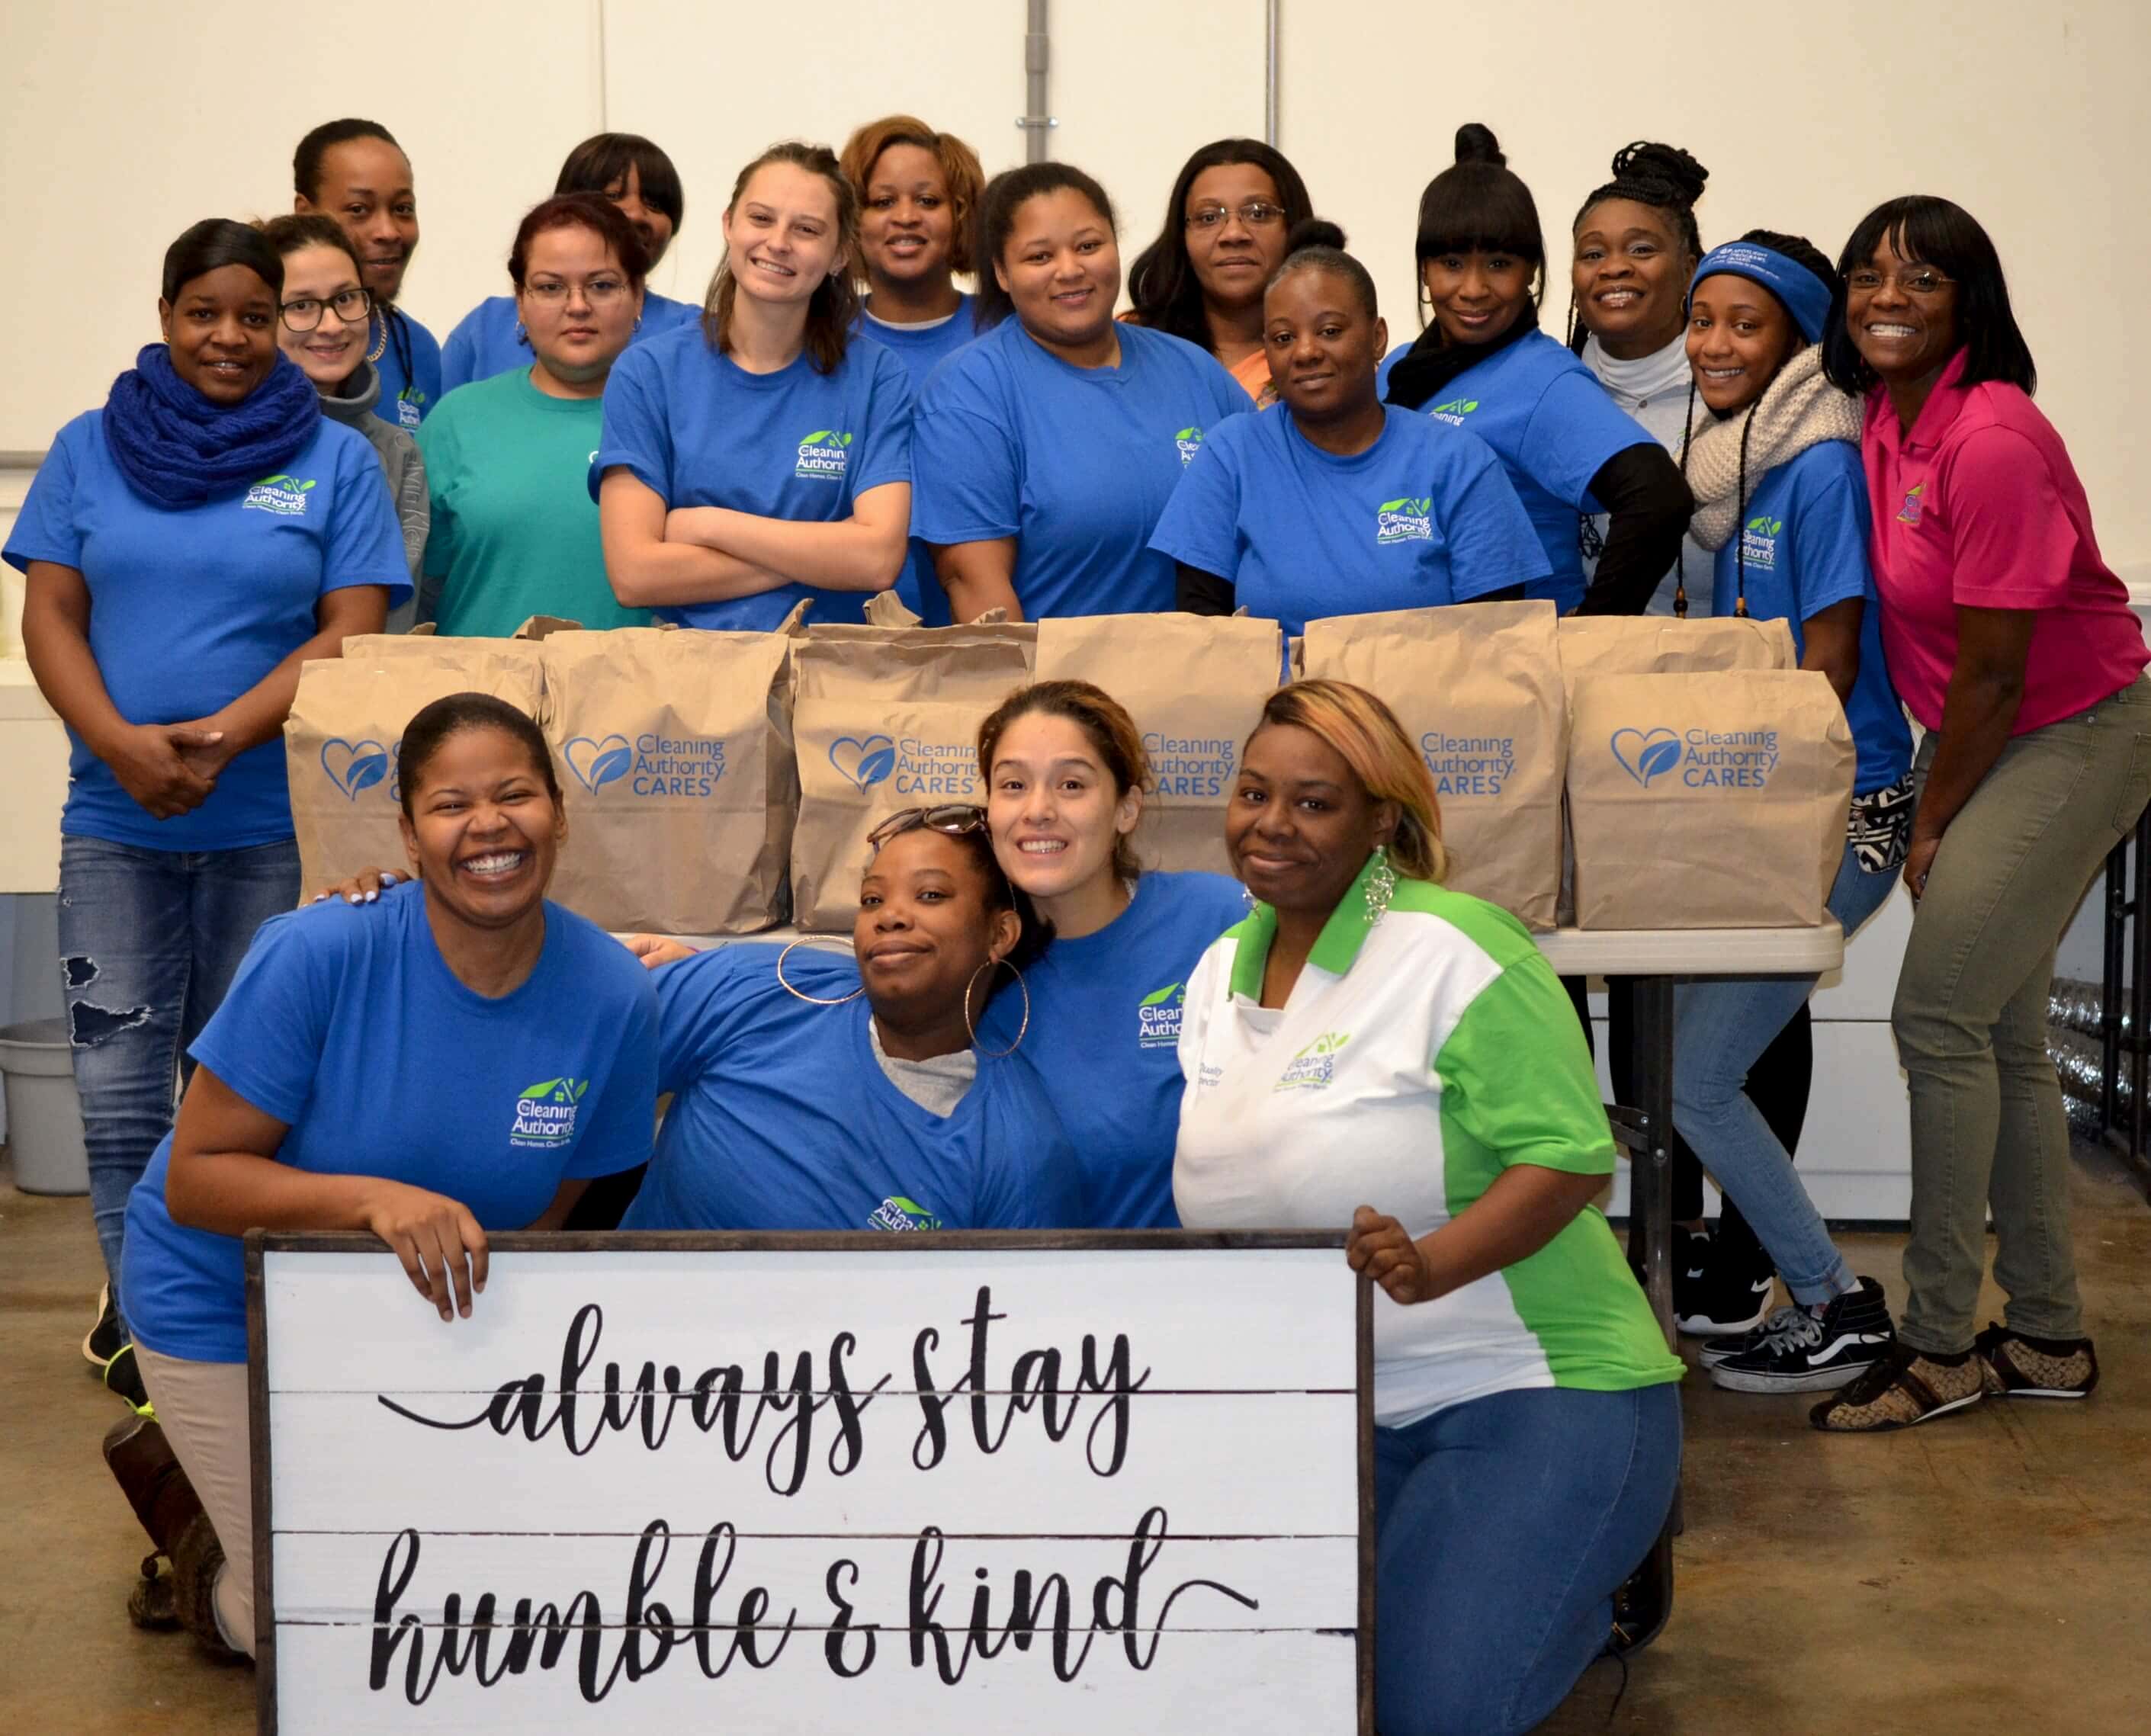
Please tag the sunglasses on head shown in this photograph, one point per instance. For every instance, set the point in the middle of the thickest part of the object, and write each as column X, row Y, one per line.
column 955, row 818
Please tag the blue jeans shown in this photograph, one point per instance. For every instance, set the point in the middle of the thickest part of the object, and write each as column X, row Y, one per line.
column 1721, row 1025
column 150, row 941
column 1503, row 1527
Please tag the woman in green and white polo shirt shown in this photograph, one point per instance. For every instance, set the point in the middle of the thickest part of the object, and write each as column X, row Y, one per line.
column 1367, row 1043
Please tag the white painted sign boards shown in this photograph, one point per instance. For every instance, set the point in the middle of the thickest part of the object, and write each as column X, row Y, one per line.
column 1070, row 1485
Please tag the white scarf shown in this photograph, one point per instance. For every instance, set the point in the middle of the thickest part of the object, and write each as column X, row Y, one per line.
column 1800, row 408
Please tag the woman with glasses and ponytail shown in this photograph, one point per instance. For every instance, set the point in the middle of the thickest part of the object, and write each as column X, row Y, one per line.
column 816, row 1091
column 1231, row 211
column 1781, row 501
column 514, row 530
column 2012, row 643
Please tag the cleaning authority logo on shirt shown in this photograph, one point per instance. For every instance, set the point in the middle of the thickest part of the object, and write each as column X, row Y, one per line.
column 920, row 767
column 1191, row 765
column 1403, row 521
column 824, row 455
column 654, row 765
column 545, row 1114
column 1157, row 1017
column 896, row 1212
column 1190, row 443
column 1455, row 411
column 1758, row 542
column 1706, row 759
column 1314, row 1068
column 286, row 496
column 1468, row 765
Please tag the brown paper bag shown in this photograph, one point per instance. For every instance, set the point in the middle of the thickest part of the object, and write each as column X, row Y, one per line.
column 673, row 751
column 345, row 731
column 1707, row 800
column 1196, row 687
column 886, row 719
column 1661, row 644
column 1478, row 690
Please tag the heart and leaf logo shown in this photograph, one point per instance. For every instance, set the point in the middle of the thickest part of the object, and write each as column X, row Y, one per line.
column 1646, row 754
column 598, row 763
column 354, row 766
column 864, row 763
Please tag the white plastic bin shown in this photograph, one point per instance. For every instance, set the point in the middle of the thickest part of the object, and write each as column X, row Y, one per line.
column 44, row 1118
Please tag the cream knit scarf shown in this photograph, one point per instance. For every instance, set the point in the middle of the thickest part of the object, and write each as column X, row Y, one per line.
column 1801, row 409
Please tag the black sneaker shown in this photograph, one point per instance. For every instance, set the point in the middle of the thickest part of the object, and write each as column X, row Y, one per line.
column 122, row 1376
column 1690, row 1258
column 1726, row 1300
column 1778, row 1322
column 104, row 1339
column 1815, row 1352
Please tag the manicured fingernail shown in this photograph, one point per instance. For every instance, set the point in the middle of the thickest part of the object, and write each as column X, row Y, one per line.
column 372, row 896
column 351, row 898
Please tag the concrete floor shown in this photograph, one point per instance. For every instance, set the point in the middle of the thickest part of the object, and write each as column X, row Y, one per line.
column 1989, row 1573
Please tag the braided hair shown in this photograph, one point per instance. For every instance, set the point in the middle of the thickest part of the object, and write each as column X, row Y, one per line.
column 1806, row 254
column 1665, row 177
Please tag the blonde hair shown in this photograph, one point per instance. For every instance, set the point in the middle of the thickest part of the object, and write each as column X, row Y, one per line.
column 835, row 303
column 960, row 174
column 1366, row 735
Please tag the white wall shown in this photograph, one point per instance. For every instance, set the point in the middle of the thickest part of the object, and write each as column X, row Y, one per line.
column 122, row 122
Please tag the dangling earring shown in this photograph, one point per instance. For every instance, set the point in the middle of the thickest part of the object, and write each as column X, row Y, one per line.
column 812, row 1000
column 521, row 336
column 1381, row 886
column 997, row 1054
column 1250, row 900
column 637, row 325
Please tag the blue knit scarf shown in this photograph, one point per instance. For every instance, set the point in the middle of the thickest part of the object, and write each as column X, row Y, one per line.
column 177, row 448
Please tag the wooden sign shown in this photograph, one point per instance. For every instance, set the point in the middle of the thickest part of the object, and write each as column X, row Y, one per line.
column 1097, row 1484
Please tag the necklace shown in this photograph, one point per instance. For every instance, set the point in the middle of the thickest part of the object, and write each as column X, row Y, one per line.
column 374, row 354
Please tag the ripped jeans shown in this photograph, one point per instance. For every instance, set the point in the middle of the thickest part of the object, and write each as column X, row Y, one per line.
column 150, row 941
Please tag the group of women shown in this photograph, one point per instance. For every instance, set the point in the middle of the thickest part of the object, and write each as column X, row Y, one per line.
column 1747, row 430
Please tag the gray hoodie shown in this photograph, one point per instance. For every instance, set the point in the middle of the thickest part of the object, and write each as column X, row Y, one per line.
column 400, row 464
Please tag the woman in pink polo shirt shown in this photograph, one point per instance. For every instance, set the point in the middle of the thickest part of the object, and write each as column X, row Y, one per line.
column 2012, row 642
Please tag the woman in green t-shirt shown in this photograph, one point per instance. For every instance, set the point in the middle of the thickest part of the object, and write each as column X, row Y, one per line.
column 514, row 530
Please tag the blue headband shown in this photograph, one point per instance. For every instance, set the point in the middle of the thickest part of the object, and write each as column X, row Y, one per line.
column 1804, row 295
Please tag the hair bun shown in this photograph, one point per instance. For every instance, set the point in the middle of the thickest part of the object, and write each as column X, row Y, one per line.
column 1476, row 143
column 1313, row 232
column 1645, row 160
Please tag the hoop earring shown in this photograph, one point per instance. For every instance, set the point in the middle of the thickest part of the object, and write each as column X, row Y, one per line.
column 812, row 1001
column 997, row 1054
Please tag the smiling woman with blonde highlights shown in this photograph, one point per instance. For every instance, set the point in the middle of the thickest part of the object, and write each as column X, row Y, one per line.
column 460, row 1058
column 1366, row 1044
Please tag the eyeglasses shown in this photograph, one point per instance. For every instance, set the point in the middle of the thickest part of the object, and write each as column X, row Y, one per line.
column 954, row 819
column 1920, row 280
column 600, row 292
column 302, row 313
column 1256, row 213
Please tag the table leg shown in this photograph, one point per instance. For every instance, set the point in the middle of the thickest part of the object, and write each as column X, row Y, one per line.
column 1650, row 1176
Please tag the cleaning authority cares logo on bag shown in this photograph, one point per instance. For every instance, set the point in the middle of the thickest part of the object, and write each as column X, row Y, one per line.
column 1468, row 765
column 545, row 1114
column 655, row 764
column 1191, row 765
column 1740, row 759
column 824, row 456
column 355, row 766
column 1403, row 521
column 919, row 766
column 286, row 496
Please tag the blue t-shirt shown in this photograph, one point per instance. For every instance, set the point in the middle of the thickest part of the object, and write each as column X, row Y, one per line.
column 191, row 607
column 1550, row 421
column 1424, row 515
column 1076, row 463
column 1104, row 1036
column 701, row 431
column 407, row 399
column 782, row 1118
column 344, row 1023
column 485, row 340
column 921, row 349
column 1805, row 535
